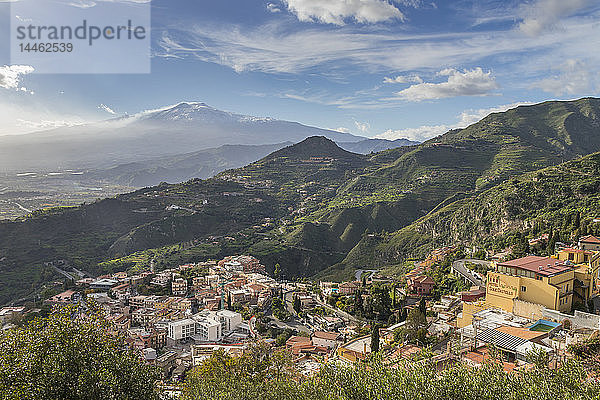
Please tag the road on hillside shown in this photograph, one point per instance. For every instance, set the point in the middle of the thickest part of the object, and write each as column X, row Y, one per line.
column 359, row 273
column 461, row 269
column 342, row 314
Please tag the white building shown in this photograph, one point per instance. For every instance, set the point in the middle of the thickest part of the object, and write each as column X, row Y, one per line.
column 179, row 287
column 207, row 329
column 229, row 320
column 161, row 279
column 182, row 329
column 206, row 326
column 234, row 266
column 104, row 284
column 328, row 340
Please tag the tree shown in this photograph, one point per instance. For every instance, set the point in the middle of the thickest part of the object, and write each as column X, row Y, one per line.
column 381, row 302
column 416, row 324
column 392, row 319
column 71, row 356
column 423, row 306
column 551, row 242
column 577, row 221
column 277, row 272
column 375, row 339
column 297, row 304
column 358, row 303
column 263, row 374
column 258, row 374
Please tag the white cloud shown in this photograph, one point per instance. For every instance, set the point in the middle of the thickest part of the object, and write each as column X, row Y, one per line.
column 574, row 77
column 404, row 79
column 11, row 75
column 93, row 3
column 83, row 3
column 469, row 117
column 41, row 125
column 107, row 109
column 18, row 116
column 466, row 118
column 363, row 127
column 341, row 129
column 275, row 48
column 544, row 15
column 338, row 11
column 419, row 134
column 274, row 8
column 473, row 82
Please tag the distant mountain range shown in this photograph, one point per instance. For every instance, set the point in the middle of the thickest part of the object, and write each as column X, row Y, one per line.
column 168, row 132
column 208, row 163
column 315, row 208
column 179, row 168
column 172, row 144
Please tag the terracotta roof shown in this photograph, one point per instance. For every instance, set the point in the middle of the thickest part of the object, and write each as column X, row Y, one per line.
column 257, row 287
column 326, row 335
column 523, row 333
column 350, row 284
column 590, row 239
column 480, row 355
column 297, row 339
column 545, row 266
column 424, row 280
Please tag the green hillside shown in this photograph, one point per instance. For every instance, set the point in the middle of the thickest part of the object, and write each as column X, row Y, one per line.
column 307, row 207
column 563, row 200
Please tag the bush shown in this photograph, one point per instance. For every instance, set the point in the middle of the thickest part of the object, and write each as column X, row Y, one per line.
column 261, row 375
column 66, row 356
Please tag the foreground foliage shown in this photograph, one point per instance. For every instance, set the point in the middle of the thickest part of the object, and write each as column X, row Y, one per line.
column 62, row 357
column 258, row 375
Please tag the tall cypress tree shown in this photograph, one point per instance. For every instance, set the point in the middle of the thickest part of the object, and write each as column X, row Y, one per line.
column 375, row 339
column 423, row 306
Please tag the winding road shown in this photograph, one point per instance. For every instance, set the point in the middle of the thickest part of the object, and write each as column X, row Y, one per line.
column 474, row 278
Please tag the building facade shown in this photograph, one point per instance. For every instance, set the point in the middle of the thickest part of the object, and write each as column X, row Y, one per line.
column 540, row 280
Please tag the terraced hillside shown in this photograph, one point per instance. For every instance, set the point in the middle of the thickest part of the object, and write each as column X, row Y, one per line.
column 564, row 200
column 307, row 206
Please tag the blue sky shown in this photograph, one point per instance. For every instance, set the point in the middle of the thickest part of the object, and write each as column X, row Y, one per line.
column 378, row 68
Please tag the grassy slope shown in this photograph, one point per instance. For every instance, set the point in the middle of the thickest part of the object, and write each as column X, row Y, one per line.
column 540, row 200
column 321, row 207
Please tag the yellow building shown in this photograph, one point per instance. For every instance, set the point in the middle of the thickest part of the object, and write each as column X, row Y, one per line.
column 540, row 280
column 587, row 264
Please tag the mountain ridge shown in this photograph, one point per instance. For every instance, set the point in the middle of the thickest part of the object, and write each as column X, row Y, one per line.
column 155, row 133
column 307, row 214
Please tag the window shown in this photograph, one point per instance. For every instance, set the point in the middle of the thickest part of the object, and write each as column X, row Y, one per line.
column 523, row 289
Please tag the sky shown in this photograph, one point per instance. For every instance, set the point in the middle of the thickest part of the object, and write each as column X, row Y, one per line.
column 376, row 68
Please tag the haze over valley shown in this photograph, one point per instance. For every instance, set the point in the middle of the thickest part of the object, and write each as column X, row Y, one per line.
column 72, row 165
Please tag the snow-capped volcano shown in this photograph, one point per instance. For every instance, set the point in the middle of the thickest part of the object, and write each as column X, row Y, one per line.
column 176, row 129
column 197, row 112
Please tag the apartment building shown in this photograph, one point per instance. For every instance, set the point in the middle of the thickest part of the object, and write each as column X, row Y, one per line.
column 540, row 280
column 182, row 329
column 179, row 287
